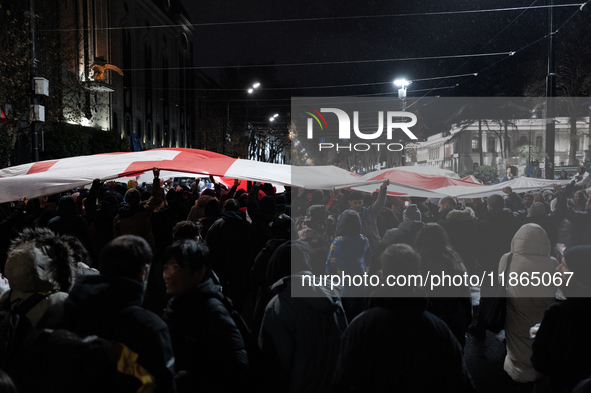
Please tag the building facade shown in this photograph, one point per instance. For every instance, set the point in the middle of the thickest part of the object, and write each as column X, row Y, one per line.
column 459, row 149
column 134, row 61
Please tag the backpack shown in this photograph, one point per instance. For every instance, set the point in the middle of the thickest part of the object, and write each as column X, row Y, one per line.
column 61, row 361
column 14, row 326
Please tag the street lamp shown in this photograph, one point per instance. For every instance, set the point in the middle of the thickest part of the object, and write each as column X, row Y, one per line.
column 402, row 83
column 272, row 118
column 254, row 86
column 227, row 125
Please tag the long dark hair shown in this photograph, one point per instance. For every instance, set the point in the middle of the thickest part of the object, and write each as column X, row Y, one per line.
column 434, row 247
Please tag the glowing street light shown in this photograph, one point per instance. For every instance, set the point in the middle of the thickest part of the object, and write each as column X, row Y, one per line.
column 227, row 125
column 402, row 83
column 254, row 86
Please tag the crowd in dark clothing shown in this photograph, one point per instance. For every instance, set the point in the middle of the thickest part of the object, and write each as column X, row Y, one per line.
column 198, row 284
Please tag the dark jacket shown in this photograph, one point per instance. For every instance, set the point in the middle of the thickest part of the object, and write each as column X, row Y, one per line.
column 12, row 221
column 135, row 219
column 110, row 307
column 208, row 346
column 397, row 345
column 300, row 336
column 405, row 233
column 581, row 227
column 460, row 226
column 550, row 222
column 68, row 222
column 452, row 304
column 262, row 213
column 495, row 230
column 260, row 286
column 562, row 345
column 232, row 242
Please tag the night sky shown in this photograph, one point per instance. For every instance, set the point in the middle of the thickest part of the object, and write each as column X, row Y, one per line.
column 346, row 32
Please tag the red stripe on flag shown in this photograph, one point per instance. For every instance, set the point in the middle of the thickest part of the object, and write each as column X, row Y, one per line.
column 41, row 166
column 188, row 160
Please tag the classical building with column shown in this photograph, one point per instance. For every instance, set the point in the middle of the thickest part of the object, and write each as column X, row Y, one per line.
column 459, row 148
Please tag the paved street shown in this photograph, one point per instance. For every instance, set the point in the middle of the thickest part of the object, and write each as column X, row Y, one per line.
column 485, row 362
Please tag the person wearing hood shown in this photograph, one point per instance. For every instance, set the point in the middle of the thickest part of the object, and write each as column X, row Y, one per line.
column 397, row 344
column 68, row 222
column 301, row 327
column 369, row 214
column 233, row 244
column 38, row 261
column 405, row 233
column 350, row 254
column 530, row 253
column 562, row 344
column 109, row 305
column 133, row 217
column 209, row 348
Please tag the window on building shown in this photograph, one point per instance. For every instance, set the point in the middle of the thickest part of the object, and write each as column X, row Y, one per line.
column 475, row 145
column 140, row 131
column 173, row 138
column 540, row 143
column 158, row 135
column 490, row 144
column 166, row 137
column 115, row 122
column 128, row 125
column 149, row 134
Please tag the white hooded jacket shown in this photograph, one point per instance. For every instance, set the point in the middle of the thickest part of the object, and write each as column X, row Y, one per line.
column 526, row 304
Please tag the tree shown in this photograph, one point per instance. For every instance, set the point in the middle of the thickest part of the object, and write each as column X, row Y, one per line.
column 15, row 67
column 484, row 173
column 573, row 75
column 65, row 140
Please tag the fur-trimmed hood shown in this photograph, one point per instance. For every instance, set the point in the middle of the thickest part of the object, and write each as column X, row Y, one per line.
column 461, row 215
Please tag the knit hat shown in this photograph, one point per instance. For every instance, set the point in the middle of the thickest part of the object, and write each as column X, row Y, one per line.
column 496, row 202
column 537, row 209
column 132, row 196
column 413, row 213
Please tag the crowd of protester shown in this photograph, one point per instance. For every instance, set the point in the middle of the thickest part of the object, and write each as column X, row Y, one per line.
column 195, row 284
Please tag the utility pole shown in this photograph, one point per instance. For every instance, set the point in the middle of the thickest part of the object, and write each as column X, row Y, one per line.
column 34, row 125
column 550, row 94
